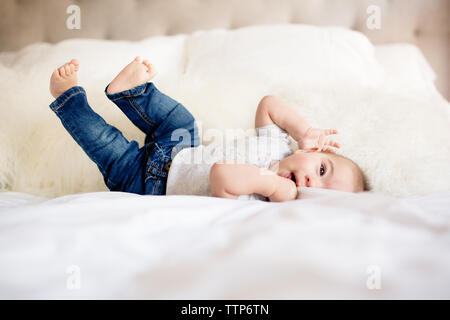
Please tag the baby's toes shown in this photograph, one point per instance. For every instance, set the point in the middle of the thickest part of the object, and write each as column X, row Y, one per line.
column 150, row 68
column 67, row 69
column 75, row 63
column 62, row 71
column 55, row 73
column 147, row 64
column 152, row 71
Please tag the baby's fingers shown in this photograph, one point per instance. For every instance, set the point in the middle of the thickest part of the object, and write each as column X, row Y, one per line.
column 327, row 132
column 332, row 144
column 329, row 150
column 321, row 143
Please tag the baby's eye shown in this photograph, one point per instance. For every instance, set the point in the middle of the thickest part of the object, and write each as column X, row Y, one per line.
column 322, row 170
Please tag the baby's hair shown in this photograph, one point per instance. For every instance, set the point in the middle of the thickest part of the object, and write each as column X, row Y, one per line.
column 360, row 178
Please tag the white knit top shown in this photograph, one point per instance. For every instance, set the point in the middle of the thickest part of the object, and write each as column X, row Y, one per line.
column 189, row 172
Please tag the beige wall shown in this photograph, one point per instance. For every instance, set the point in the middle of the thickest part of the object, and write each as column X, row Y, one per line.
column 424, row 23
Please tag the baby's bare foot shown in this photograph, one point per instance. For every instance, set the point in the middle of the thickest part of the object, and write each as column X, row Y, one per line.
column 134, row 74
column 64, row 78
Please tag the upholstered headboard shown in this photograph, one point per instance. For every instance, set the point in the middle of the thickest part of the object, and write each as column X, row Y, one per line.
column 423, row 23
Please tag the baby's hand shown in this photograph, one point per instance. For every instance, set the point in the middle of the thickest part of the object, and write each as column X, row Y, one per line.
column 315, row 140
column 285, row 190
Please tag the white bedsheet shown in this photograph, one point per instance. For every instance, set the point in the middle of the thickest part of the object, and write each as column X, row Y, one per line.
column 328, row 245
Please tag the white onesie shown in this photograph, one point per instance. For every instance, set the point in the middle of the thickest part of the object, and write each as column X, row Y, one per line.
column 189, row 172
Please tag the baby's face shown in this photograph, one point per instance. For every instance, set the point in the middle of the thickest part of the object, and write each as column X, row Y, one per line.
column 318, row 170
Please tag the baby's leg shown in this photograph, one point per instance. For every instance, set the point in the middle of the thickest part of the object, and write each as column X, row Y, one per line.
column 121, row 162
column 153, row 112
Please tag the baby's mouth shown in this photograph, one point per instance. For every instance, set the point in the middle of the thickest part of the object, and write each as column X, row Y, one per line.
column 293, row 178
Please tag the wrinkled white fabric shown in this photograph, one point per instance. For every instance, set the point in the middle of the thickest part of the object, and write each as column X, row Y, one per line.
column 329, row 245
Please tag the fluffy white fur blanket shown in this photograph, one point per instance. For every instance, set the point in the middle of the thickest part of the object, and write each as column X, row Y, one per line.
column 392, row 120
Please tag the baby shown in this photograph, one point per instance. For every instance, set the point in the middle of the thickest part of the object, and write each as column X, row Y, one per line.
column 273, row 176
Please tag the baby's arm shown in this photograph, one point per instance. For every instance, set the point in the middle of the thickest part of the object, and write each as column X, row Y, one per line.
column 272, row 110
column 230, row 180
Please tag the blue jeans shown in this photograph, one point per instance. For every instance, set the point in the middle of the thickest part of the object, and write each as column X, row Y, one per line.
column 168, row 126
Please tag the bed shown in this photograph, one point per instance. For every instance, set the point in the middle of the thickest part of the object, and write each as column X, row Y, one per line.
column 64, row 236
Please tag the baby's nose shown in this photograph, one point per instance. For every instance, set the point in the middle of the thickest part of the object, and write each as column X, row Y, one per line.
column 308, row 181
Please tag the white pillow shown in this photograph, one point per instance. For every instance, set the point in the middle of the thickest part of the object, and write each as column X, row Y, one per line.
column 405, row 67
column 284, row 54
column 236, row 68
